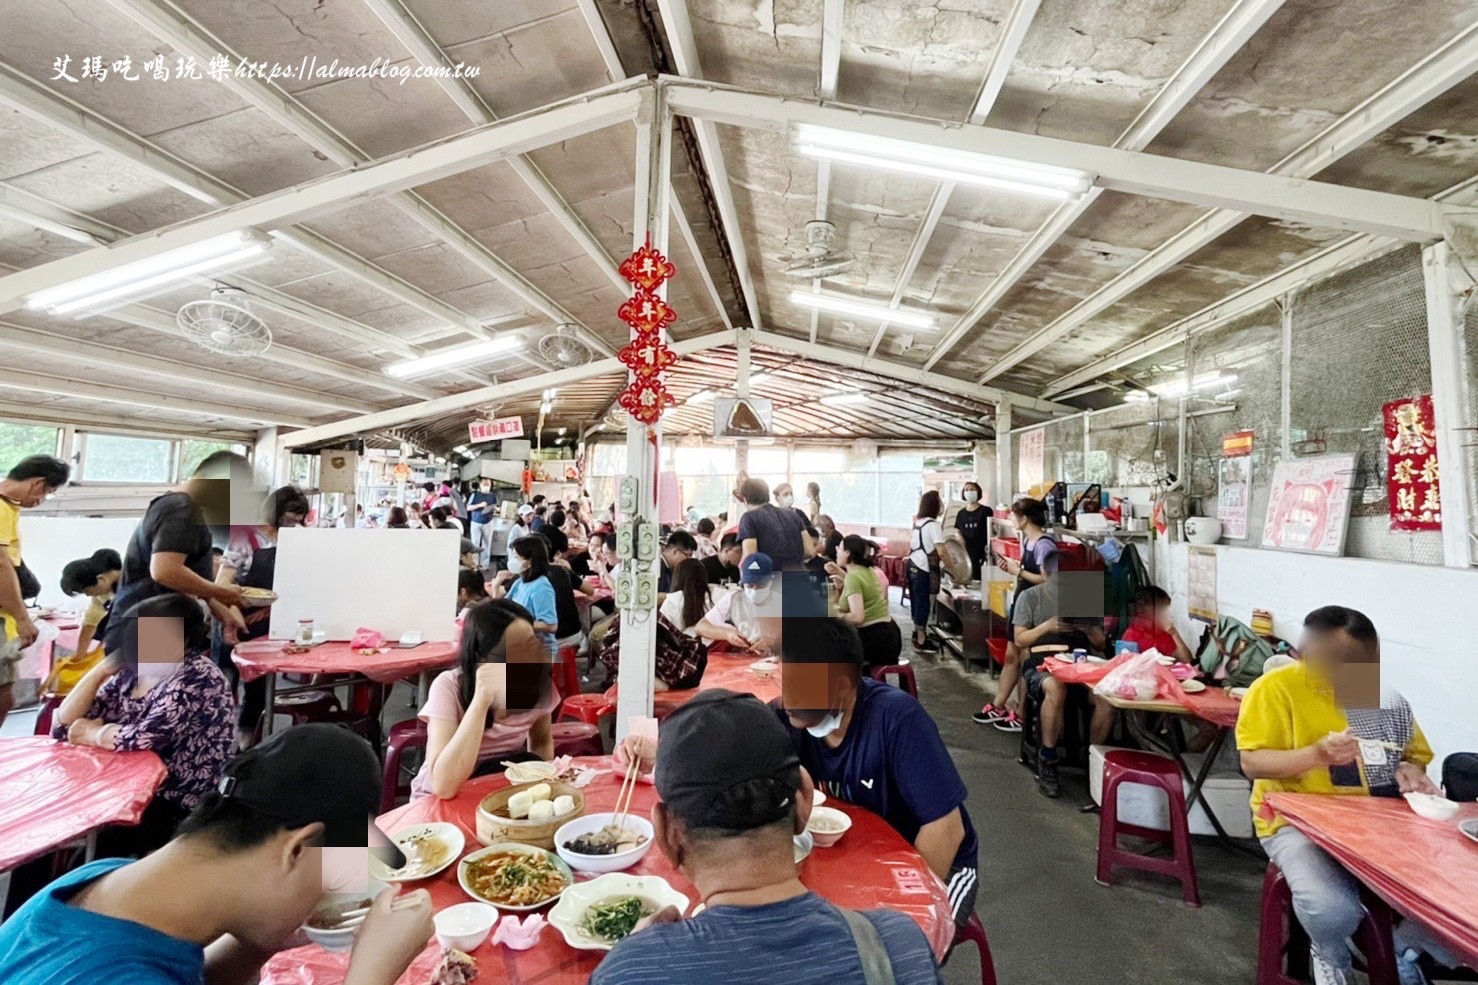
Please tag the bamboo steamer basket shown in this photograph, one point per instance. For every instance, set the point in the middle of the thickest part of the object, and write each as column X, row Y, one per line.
column 493, row 827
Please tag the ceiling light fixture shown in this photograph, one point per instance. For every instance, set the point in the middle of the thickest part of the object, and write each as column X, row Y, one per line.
column 143, row 275
column 458, row 355
column 961, row 167
column 1177, row 388
column 839, row 305
column 845, row 399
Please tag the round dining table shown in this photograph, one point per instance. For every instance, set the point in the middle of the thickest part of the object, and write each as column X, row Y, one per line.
column 728, row 670
column 871, row 867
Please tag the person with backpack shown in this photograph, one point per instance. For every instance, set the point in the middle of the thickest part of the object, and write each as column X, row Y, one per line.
column 923, row 567
column 733, row 794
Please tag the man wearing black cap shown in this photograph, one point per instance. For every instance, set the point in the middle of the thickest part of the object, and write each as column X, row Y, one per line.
column 874, row 745
column 246, row 869
column 733, row 796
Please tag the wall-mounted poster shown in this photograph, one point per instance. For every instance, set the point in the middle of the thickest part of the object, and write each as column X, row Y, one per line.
column 1033, row 456
column 1411, row 464
column 1309, row 505
column 1234, row 485
column 1201, row 583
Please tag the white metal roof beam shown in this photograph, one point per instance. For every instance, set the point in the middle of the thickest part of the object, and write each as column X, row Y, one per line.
column 330, row 193
column 1319, row 203
column 419, row 42
column 482, row 395
column 33, row 210
column 92, row 390
column 832, row 21
column 97, row 354
column 1347, row 253
column 189, row 37
column 1435, row 74
column 1225, row 39
column 61, row 416
column 906, row 374
column 685, row 54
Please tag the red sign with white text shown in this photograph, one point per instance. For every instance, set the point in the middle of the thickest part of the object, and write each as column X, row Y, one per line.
column 503, row 427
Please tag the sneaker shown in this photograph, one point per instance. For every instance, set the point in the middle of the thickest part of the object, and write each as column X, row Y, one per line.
column 1408, row 970
column 1047, row 781
column 1326, row 973
column 989, row 714
column 1008, row 724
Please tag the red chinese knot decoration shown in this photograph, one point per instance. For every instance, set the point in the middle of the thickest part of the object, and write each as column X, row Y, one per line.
column 646, row 355
column 1411, row 464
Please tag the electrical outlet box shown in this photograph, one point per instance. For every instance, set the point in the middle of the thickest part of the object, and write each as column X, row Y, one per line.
column 625, row 589
column 626, row 499
column 646, row 589
column 646, row 542
column 626, row 541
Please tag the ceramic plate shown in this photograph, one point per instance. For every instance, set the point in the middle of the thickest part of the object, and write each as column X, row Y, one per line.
column 1096, row 660
column 1470, row 828
column 1192, row 687
column 1237, row 692
column 559, row 864
column 569, row 912
column 804, row 844
column 442, row 842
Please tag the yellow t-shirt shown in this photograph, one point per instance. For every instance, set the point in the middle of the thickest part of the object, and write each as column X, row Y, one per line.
column 10, row 539
column 97, row 610
column 1291, row 708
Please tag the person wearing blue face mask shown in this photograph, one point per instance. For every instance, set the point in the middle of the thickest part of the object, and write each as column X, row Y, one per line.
column 873, row 745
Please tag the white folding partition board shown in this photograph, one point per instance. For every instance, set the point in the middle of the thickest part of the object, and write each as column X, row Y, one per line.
column 48, row 543
column 391, row 581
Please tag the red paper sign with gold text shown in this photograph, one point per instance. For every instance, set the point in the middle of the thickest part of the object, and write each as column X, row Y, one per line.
column 1411, row 464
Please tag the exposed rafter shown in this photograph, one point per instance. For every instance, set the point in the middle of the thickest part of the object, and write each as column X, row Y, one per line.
column 61, row 416
column 831, row 66
column 1227, row 38
column 64, row 386
column 1438, row 72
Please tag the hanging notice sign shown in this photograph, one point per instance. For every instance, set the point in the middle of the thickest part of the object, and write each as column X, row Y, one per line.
column 1033, row 455
column 1234, row 486
column 503, row 427
column 1411, row 464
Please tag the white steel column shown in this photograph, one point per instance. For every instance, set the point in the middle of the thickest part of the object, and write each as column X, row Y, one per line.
column 1447, row 287
column 1285, row 381
column 639, row 619
column 1005, row 481
column 741, row 387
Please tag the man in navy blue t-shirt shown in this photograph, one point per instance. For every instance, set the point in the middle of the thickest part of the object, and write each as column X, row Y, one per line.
column 873, row 745
column 733, row 796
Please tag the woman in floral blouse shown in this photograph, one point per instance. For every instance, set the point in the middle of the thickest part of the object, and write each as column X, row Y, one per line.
column 164, row 694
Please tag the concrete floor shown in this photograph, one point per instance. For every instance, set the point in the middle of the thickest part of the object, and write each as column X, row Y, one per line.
column 1048, row 922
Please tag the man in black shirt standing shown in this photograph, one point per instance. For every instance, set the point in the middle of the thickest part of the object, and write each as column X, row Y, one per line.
column 781, row 533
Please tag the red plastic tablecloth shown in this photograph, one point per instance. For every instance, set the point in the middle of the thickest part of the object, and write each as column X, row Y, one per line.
column 1426, row 870
column 871, row 867
column 1213, row 704
column 260, row 657
column 52, row 793
column 725, row 671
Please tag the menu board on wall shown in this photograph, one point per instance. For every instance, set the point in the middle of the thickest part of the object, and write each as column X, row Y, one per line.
column 1033, row 453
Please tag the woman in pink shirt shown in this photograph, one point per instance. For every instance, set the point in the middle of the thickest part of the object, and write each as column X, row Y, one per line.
column 494, row 707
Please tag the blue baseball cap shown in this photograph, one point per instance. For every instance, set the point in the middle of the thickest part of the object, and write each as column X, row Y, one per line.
column 756, row 568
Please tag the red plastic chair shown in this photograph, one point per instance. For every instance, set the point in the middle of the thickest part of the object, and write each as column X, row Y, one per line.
column 566, row 676
column 974, row 932
column 577, row 739
column 1127, row 766
column 587, row 708
column 309, row 706
column 406, row 735
column 44, row 715
column 902, row 672
column 1283, row 947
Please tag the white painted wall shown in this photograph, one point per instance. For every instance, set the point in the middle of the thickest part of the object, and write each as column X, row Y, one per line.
column 49, row 542
column 1427, row 617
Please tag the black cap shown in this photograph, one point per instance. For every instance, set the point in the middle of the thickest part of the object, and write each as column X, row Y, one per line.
column 725, row 761
column 319, row 772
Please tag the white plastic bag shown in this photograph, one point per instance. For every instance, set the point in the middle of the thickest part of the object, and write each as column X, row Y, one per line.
column 1136, row 679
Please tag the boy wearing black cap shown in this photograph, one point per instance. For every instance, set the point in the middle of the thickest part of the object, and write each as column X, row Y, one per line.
column 733, row 796
column 874, row 745
column 246, row 869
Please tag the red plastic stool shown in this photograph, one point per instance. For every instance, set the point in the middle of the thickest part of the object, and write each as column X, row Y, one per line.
column 566, row 675
column 1127, row 766
column 587, row 708
column 1283, row 947
column 44, row 715
column 409, row 734
column 974, row 931
column 309, row 706
column 577, row 739
column 904, row 674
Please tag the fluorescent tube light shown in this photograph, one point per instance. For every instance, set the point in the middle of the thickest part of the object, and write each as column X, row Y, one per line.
column 961, row 167
column 845, row 399
column 838, row 305
column 142, row 275
column 459, row 355
column 1177, row 388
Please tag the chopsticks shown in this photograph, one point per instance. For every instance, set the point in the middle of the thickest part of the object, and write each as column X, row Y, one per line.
column 351, row 918
column 628, row 790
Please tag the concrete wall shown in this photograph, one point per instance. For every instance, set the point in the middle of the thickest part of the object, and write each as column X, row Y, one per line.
column 1427, row 617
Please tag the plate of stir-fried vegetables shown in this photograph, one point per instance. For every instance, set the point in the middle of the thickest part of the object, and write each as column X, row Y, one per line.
column 596, row 915
column 514, row 877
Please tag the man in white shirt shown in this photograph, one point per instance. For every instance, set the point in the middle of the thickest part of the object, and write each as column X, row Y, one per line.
column 742, row 620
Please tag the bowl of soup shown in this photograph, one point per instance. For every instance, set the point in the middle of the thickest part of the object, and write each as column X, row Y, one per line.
column 827, row 825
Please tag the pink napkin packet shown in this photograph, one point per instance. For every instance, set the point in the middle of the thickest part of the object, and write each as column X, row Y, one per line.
column 519, row 936
column 366, row 639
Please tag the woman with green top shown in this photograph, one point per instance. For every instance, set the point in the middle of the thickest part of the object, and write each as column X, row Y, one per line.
column 864, row 604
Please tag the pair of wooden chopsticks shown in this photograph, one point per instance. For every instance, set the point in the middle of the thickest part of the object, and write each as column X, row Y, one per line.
column 355, row 917
column 628, row 790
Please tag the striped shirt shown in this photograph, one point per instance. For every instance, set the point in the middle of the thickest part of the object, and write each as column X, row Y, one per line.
column 799, row 941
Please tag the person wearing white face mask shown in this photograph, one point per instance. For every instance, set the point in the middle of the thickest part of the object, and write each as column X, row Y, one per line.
column 972, row 525
column 737, row 619
column 873, row 745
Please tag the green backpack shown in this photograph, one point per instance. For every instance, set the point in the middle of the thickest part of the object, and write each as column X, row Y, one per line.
column 1233, row 644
